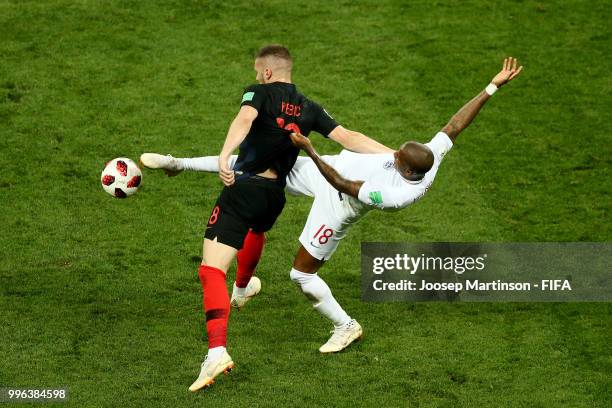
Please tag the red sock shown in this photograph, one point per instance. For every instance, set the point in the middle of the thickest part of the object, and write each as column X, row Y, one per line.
column 248, row 257
column 216, row 304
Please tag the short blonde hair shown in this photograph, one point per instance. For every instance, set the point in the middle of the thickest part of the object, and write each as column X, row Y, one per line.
column 276, row 51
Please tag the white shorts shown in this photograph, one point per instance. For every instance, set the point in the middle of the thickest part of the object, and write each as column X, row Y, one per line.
column 330, row 215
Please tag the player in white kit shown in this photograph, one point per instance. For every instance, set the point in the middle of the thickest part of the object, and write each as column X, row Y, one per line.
column 356, row 183
column 384, row 188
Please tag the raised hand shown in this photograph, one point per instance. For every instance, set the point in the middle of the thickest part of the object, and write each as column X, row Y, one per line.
column 508, row 72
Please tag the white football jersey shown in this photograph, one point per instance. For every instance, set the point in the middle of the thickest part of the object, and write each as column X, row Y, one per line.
column 384, row 188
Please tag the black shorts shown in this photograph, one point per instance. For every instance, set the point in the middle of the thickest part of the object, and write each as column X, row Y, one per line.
column 253, row 203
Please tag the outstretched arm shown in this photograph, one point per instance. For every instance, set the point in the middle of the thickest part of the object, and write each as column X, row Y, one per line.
column 341, row 184
column 468, row 112
column 357, row 142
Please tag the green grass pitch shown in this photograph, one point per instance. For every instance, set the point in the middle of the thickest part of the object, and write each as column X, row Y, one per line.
column 102, row 295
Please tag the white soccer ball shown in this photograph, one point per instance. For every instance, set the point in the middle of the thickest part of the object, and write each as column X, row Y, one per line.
column 121, row 177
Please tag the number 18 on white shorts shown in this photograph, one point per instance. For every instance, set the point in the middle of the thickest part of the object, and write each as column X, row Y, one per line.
column 323, row 230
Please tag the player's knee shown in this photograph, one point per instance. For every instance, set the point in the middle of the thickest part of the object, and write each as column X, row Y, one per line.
column 310, row 284
column 299, row 277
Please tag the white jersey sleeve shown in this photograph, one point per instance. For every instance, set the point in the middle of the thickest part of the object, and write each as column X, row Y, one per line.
column 385, row 196
column 439, row 145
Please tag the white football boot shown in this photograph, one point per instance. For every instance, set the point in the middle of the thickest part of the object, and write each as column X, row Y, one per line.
column 168, row 164
column 342, row 337
column 210, row 370
column 252, row 289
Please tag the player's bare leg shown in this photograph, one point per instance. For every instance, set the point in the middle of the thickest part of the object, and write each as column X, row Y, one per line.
column 218, row 255
column 304, row 274
column 216, row 260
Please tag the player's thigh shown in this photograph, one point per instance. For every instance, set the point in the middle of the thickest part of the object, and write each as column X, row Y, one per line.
column 323, row 230
column 217, row 254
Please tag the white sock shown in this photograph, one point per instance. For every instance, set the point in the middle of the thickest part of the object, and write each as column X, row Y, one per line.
column 215, row 352
column 321, row 297
column 206, row 163
column 239, row 291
